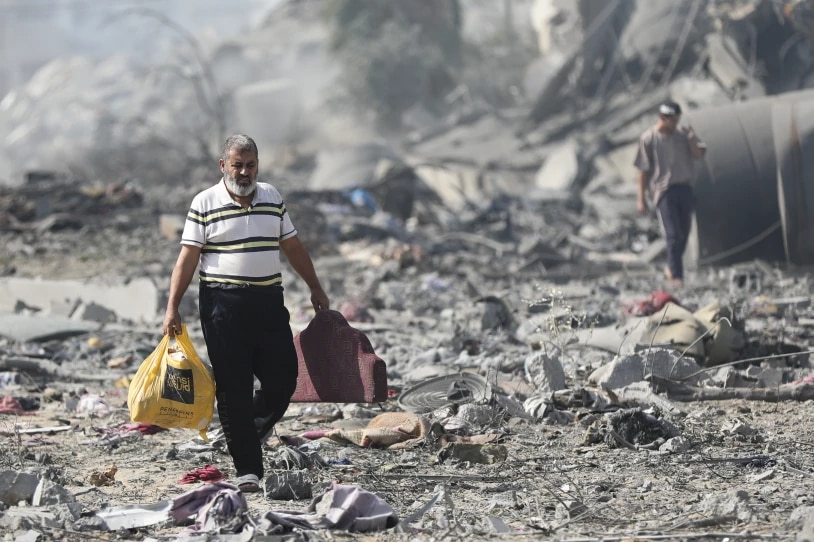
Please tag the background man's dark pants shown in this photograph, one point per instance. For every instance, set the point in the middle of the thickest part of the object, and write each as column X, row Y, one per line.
column 247, row 334
column 675, row 210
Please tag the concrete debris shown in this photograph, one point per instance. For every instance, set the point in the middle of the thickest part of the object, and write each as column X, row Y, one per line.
column 135, row 516
column 626, row 370
column 49, row 493
column 676, row 445
column 733, row 506
column 567, row 510
column 545, row 371
column 474, row 453
column 802, row 520
column 135, row 300
column 29, row 328
column 634, row 428
column 17, row 487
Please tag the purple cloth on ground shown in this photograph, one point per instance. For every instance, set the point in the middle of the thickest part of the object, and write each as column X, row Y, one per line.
column 347, row 508
column 228, row 498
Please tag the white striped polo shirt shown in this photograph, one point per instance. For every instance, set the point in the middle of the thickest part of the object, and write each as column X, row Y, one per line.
column 238, row 246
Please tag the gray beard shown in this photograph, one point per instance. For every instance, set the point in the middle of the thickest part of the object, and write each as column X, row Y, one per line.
column 237, row 189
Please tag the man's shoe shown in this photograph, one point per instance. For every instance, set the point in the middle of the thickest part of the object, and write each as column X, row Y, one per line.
column 248, row 483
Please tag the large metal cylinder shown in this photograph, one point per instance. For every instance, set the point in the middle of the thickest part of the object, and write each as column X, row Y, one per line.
column 793, row 126
column 740, row 212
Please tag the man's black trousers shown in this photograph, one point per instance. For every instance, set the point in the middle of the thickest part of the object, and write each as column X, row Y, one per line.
column 675, row 211
column 247, row 334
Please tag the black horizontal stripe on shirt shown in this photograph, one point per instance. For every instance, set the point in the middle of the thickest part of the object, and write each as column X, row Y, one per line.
column 241, row 215
column 225, row 208
column 240, row 278
column 240, row 250
column 196, row 220
column 255, row 239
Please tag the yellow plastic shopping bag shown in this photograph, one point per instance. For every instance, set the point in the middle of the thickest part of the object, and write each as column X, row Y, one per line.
column 173, row 388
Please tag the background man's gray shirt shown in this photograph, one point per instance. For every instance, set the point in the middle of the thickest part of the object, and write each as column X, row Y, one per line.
column 666, row 159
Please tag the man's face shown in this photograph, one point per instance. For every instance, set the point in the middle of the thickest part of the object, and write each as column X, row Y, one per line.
column 240, row 172
column 670, row 122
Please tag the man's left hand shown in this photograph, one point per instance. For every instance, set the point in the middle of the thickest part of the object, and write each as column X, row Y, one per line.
column 320, row 300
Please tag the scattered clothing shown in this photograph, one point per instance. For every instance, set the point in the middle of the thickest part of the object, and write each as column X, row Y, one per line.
column 650, row 305
column 355, row 311
column 208, row 473
column 92, row 404
column 10, row 405
column 143, row 428
column 343, row 507
column 389, row 430
column 216, row 506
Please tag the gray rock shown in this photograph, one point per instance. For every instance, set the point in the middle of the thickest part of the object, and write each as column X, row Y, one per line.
column 558, row 176
column 660, row 362
column 477, row 415
column 48, row 493
column 27, row 536
column 732, row 503
column 802, row 519
column 16, row 487
column 94, row 312
column 676, row 445
column 545, row 371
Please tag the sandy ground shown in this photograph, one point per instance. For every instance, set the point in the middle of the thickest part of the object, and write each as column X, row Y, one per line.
column 760, row 478
column 736, row 484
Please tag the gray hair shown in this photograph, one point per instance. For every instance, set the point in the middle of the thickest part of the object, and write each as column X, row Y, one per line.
column 240, row 142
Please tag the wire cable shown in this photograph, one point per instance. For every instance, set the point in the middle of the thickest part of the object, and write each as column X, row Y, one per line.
column 741, row 247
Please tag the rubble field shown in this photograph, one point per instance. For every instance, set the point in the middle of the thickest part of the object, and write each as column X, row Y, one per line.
column 542, row 381
column 558, row 404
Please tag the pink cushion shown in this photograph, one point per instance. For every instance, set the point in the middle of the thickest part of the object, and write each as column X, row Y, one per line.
column 337, row 363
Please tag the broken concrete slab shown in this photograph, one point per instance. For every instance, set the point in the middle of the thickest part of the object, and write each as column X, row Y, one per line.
column 730, row 69
column 93, row 312
column 545, row 371
column 661, row 362
column 49, row 493
column 348, row 167
column 59, row 517
column 558, row 177
column 694, row 93
column 135, row 516
column 136, row 300
column 17, row 487
column 25, row 328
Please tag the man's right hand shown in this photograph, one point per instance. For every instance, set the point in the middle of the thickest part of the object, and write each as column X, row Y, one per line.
column 641, row 206
column 172, row 322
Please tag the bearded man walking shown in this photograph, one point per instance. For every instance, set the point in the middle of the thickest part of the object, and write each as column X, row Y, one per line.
column 235, row 230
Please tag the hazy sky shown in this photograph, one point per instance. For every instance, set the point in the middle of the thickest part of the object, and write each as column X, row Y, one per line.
column 32, row 32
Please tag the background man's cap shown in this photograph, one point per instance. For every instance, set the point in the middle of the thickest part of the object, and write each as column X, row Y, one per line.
column 669, row 109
